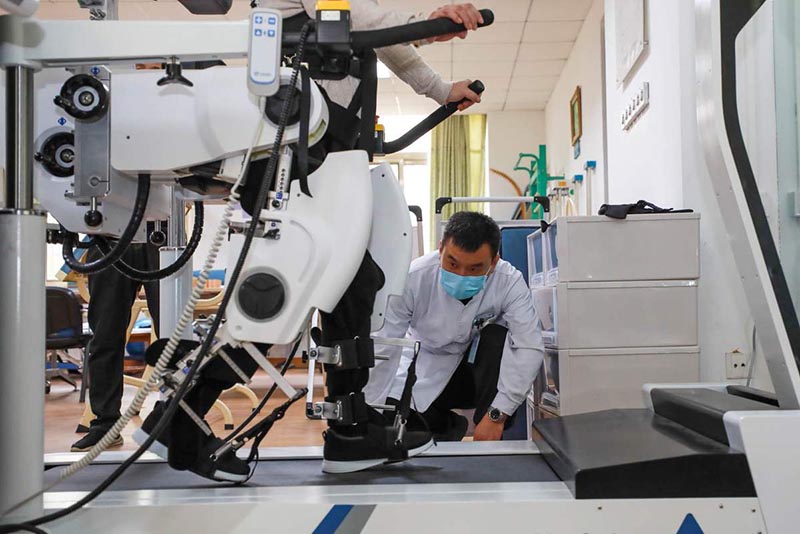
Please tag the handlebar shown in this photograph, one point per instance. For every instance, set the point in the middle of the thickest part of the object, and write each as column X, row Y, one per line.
column 427, row 124
column 415, row 31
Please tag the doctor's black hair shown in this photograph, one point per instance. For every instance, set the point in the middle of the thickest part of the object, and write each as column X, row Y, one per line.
column 469, row 230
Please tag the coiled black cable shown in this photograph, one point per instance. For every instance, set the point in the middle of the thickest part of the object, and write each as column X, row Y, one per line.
column 125, row 240
column 159, row 274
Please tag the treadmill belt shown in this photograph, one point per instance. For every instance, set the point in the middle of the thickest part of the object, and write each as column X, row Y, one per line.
column 276, row 473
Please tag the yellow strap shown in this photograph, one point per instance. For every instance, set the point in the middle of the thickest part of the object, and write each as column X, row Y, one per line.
column 333, row 5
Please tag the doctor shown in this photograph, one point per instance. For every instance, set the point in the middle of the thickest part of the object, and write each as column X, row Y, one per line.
column 481, row 346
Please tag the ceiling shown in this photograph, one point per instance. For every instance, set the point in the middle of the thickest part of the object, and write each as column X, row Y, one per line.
column 519, row 57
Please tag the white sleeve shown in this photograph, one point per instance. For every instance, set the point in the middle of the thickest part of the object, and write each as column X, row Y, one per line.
column 402, row 59
column 524, row 349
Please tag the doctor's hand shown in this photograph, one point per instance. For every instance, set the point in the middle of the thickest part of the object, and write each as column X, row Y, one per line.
column 488, row 430
column 461, row 91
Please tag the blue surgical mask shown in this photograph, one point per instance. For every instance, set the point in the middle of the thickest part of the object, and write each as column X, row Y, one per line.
column 461, row 287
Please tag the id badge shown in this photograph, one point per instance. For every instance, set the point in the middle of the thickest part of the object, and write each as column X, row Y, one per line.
column 473, row 349
column 477, row 325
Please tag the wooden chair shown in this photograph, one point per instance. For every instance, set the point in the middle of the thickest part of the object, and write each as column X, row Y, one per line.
column 140, row 306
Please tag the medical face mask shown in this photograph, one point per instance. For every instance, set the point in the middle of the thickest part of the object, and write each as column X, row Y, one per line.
column 462, row 287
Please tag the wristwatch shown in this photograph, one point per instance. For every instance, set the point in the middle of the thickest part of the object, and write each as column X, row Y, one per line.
column 496, row 415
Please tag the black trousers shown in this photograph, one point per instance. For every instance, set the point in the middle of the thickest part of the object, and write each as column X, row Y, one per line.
column 473, row 385
column 112, row 295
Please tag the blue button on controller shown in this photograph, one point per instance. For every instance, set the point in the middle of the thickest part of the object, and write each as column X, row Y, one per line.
column 271, row 33
column 259, row 19
column 272, row 20
column 258, row 32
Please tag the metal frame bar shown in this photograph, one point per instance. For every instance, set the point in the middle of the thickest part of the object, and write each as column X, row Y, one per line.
column 718, row 24
column 443, row 201
column 22, row 309
column 40, row 43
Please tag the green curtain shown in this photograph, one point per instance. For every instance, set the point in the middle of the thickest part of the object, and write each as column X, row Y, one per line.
column 457, row 164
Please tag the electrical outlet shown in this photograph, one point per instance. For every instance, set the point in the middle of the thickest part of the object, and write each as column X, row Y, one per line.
column 736, row 364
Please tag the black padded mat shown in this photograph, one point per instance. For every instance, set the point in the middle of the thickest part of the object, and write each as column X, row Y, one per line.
column 276, row 473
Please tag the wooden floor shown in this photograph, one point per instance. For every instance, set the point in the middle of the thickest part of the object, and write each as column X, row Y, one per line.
column 63, row 412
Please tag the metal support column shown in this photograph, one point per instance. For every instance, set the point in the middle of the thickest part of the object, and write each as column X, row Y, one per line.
column 22, row 309
column 174, row 291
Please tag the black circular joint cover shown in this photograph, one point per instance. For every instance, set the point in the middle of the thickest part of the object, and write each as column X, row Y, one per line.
column 158, row 238
column 261, row 296
column 93, row 218
column 83, row 97
column 274, row 105
column 58, row 154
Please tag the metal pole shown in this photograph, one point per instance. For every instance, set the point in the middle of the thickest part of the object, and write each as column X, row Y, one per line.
column 22, row 310
column 19, row 138
column 174, row 291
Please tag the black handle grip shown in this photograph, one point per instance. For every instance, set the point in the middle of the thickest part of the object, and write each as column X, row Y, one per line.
column 429, row 122
column 416, row 31
column 476, row 87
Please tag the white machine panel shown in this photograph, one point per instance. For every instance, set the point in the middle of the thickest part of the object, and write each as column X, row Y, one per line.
column 188, row 126
column 322, row 243
column 391, row 238
column 50, row 190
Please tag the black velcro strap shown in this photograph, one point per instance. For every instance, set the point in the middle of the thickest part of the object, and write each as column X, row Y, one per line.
column 153, row 352
column 621, row 211
column 358, row 353
column 368, row 100
column 302, row 142
column 355, row 102
column 405, row 399
column 354, row 409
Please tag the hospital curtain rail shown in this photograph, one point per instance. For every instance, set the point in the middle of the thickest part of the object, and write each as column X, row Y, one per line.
column 457, row 163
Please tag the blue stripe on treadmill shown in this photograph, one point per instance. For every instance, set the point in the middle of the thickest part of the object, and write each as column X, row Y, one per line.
column 690, row 526
column 334, row 518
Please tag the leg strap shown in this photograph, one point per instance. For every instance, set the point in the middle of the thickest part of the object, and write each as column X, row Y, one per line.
column 358, row 353
column 344, row 410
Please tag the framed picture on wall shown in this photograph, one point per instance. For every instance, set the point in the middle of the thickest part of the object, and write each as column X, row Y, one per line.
column 575, row 116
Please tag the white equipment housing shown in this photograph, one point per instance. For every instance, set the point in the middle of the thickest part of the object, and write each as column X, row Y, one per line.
column 390, row 241
column 185, row 127
column 321, row 244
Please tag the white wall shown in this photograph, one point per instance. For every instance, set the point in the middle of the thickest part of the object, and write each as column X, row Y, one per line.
column 584, row 69
column 660, row 159
column 644, row 162
column 509, row 134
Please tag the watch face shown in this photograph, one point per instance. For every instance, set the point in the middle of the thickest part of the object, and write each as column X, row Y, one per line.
column 494, row 414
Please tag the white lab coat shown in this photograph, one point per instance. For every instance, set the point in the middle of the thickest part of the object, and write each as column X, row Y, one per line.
column 444, row 327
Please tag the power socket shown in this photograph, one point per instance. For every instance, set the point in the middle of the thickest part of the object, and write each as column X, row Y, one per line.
column 736, row 364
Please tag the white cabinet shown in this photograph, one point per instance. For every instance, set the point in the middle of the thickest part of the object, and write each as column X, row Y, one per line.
column 617, row 301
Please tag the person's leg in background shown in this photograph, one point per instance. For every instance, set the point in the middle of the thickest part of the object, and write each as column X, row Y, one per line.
column 148, row 256
column 443, row 422
column 112, row 295
column 486, row 370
